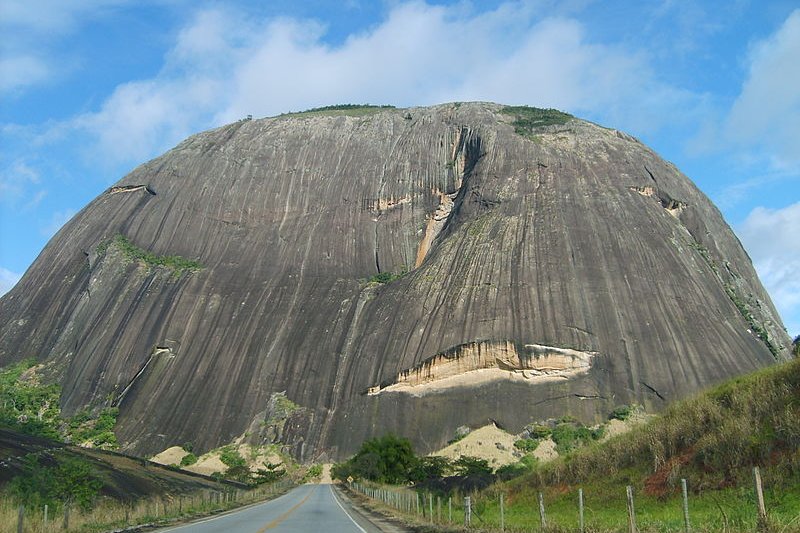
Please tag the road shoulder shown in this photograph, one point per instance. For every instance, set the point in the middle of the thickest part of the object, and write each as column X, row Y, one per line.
column 364, row 515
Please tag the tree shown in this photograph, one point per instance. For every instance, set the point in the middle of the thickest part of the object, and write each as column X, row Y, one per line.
column 387, row 459
column 429, row 468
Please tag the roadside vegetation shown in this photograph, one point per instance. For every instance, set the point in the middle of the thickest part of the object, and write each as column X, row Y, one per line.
column 712, row 440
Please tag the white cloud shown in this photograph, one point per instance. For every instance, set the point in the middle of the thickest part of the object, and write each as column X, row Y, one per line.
column 30, row 29
column 16, row 180
column 767, row 111
column 51, row 16
column 770, row 237
column 224, row 66
column 7, row 280
column 17, row 72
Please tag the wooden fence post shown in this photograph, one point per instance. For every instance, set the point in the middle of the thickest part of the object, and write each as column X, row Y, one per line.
column 467, row 510
column 762, row 511
column 439, row 508
column 66, row 516
column 542, row 518
column 631, row 510
column 685, row 492
column 580, row 511
column 45, row 516
column 430, row 506
column 21, row 519
column 449, row 510
column 502, row 515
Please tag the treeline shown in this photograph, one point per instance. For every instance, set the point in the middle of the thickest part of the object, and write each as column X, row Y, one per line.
column 391, row 459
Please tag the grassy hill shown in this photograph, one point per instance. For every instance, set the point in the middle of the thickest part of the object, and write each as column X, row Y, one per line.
column 712, row 440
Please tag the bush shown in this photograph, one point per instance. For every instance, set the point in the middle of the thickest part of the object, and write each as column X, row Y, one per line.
column 526, row 445
column 26, row 405
column 538, row 431
column 96, row 431
column 272, row 472
column 430, row 468
column 189, row 459
column 570, row 435
column 623, row 412
column 71, row 481
column 314, row 472
column 475, row 473
column 466, row 466
column 386, row 277
column 513, row 470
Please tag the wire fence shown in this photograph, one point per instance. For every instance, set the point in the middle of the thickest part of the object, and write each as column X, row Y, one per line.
column 745, row 510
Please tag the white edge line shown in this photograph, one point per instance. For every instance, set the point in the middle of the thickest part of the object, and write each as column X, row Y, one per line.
column 344, row 510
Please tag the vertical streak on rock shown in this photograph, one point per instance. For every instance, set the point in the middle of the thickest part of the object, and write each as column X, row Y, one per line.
column 342, row 365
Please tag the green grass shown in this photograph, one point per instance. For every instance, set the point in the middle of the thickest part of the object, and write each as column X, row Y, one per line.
column 731, row 509
column 386, row 277
column 529, row 120
column 175, row 263
column 351, row 110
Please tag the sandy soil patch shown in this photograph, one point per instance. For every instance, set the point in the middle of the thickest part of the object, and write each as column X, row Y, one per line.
column 255, row 457
column 489, row 442
column 170, row 456
column 546, row 450
column 207, row 464
column 616, row 427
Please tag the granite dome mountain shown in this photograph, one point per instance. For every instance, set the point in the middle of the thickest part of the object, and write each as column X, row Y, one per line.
column 320, row 278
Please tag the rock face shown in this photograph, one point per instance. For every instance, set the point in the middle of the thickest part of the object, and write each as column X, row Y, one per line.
column 549, row 268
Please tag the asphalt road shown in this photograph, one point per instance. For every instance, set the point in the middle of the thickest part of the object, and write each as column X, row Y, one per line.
column 312, row 508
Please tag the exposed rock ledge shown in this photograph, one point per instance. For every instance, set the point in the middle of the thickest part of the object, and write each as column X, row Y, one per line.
column 486, row 361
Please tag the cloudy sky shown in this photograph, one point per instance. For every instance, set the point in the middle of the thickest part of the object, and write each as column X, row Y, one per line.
column 89, row 89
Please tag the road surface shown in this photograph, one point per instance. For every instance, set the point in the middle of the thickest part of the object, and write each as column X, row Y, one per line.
column 312, row 508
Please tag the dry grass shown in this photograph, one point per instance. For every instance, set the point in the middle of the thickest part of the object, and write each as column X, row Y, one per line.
column 712, row 439
column 111, row 514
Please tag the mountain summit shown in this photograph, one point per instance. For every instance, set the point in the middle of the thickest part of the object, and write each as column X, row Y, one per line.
column 323, row 277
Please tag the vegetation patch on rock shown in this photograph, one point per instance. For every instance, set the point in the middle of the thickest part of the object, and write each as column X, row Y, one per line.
column 353, row 110
column 31, row 406
column 528, row 120
column 175, row 263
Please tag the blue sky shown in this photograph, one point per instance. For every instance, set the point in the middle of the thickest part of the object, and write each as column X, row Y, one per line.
column 89, row 89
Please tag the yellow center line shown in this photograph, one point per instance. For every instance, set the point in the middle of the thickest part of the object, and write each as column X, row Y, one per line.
column 285, row 515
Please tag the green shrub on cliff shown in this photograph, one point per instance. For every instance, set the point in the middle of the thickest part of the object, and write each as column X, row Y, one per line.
column 26, row 404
